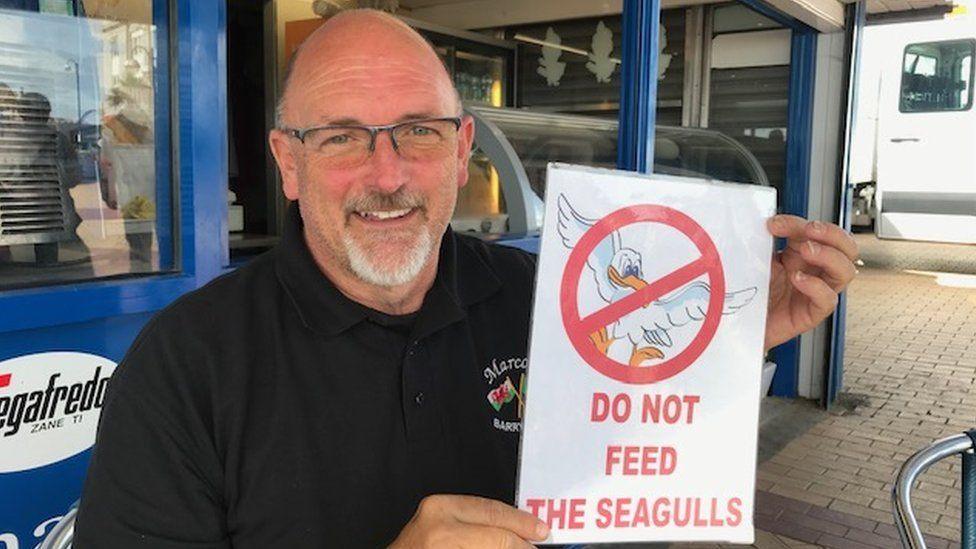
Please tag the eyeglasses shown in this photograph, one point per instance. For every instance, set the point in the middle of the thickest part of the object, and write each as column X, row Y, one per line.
column 348, row 146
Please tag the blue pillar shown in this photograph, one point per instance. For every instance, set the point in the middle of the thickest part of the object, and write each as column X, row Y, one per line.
column 638, row 85
column 202, row 35
column 799, row 135
column 856, row 15
column 165, row 211
column 803, row 66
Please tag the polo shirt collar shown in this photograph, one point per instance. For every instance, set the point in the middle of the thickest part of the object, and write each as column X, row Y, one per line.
column 463, row 278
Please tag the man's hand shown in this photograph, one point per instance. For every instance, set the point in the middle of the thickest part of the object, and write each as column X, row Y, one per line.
column 469, row 521
column 816, row 265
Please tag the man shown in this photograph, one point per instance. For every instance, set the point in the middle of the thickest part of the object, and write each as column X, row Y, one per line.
column 331, row 393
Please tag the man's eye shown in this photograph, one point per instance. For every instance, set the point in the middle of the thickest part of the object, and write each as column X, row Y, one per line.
column 422, row 131
column 337, row 140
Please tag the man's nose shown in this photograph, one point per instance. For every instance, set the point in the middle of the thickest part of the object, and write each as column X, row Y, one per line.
column 386, row 164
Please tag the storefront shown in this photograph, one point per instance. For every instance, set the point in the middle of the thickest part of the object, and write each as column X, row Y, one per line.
column 133, row 164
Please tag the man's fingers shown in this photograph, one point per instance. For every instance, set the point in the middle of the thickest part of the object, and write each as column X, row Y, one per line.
column 837, row 267
column 490, row 536
column 489, row 512
column 833, row 236
column 822, row 298
column 798, row 230
column 469, row 521
column 787, row 226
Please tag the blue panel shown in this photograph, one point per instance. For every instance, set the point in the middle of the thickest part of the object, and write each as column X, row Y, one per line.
column 638, row 85
column 164, row 176
column 51, row 489
column 528, row 243
column 203, row 135
column 803, row 60
column 26, row 309
column 835, row 373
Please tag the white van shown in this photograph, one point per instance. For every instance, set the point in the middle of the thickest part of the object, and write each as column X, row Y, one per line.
column 924, row 157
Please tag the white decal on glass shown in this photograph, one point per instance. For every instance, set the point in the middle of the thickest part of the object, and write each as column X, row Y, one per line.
column 663, row 59
column 549, row 64
column 600, row 63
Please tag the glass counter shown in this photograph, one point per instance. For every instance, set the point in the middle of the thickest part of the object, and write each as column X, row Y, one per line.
column 507, row 171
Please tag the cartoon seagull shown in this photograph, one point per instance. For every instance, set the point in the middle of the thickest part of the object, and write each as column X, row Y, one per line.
column 618, row 273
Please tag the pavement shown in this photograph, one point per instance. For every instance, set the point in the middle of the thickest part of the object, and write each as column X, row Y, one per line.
column 909, row 373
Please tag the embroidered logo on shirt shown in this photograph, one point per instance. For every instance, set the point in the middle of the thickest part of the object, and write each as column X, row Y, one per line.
column 506, row 394
column 501, row 367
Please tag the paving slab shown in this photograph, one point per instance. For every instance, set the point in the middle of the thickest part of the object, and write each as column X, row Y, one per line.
column 909, row 379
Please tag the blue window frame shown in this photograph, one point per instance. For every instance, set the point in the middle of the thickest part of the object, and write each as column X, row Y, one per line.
column 857, row 14
column 195, row 162
column 638, row 86
column 803, row 57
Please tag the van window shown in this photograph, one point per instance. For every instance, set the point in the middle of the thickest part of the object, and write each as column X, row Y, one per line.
column 936, row 76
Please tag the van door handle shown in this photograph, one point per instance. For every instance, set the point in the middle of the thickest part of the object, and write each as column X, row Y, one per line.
column 903, row 139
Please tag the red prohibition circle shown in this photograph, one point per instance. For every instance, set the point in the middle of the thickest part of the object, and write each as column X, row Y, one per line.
column 578, row 329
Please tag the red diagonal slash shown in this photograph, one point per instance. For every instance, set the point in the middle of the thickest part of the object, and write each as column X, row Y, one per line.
column 617, row 310
column 707, row 264
column 4, row 380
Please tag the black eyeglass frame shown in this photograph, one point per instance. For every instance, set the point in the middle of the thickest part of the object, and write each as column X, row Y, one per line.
column 300, row 133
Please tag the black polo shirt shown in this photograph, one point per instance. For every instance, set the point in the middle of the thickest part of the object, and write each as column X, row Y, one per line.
column 268, row 410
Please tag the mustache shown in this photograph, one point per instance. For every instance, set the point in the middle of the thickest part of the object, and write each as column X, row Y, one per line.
column 400, row 199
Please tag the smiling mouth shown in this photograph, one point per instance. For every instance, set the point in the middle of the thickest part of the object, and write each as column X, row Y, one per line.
column 384, row 215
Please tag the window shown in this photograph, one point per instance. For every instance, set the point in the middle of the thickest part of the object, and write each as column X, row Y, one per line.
column 84, row 143
column 573, row 66
column 748, row 86
column 936, row 76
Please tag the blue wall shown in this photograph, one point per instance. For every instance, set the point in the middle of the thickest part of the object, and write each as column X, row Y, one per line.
column 103, row 317
column 28, row 498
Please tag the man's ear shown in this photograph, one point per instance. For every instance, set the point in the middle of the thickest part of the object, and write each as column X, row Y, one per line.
column 465, row 141
column 281, row 148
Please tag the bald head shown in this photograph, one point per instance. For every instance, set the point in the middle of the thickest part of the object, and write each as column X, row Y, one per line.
column 353, row 49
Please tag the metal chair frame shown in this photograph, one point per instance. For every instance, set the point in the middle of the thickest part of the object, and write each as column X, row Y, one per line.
column 63, row 533
column 963, row 444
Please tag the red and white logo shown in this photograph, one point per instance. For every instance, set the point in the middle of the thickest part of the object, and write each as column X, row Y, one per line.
column 49, row 407
column 640, row 313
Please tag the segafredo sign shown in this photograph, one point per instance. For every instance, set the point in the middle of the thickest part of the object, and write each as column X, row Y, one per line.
column 49, row 407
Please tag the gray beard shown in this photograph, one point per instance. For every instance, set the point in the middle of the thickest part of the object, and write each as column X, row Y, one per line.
column 362, row 265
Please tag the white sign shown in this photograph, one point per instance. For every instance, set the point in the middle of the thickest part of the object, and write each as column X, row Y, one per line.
column 49, row 407
column 645, row 358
